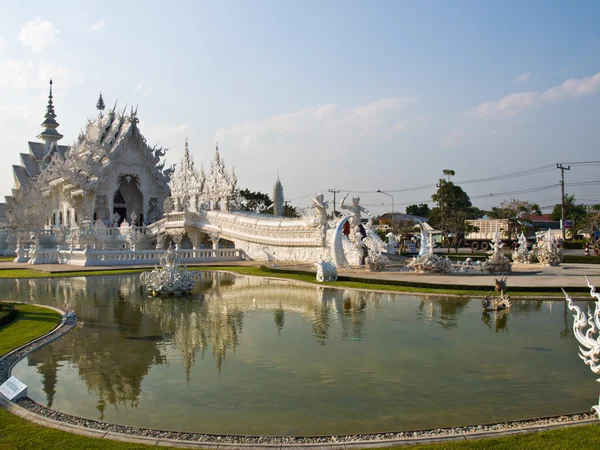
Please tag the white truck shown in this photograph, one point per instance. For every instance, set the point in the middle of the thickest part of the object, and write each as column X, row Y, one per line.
column 487, row 228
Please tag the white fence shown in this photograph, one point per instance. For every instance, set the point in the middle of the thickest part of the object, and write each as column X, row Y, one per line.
column 123, row 257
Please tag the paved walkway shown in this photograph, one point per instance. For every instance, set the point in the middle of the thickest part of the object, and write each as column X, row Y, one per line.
column 531, row 275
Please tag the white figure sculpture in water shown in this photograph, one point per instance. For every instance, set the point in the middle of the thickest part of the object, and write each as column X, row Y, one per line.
column 320, row 206
column 355, row 210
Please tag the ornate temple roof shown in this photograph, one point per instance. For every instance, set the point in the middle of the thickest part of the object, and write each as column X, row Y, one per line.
column 81, row 166
column 40, row 153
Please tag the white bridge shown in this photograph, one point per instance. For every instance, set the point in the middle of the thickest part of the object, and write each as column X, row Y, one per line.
column 258, row 237
column 206, row 236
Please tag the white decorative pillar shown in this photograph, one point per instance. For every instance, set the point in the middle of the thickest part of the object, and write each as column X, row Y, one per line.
column 215, row 241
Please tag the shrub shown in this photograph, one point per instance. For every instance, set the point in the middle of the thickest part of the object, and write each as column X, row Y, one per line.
column 7, row 313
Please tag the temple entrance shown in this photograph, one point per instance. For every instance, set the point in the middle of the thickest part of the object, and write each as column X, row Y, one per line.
column 128, row 199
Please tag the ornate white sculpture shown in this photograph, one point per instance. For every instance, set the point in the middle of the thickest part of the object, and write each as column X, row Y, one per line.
column 186, row 184
column 220, row 186
column 522, row 254
column 547, row 252
column 193, row 191
column 426, row 240
column 391, row 244
column 169, row 278
column 375, row 261
column 502, row 302
column 589, row 338
column 355, row 210
column 497, row 262
column 429, row 261
column 326, row 271
column 320, row 206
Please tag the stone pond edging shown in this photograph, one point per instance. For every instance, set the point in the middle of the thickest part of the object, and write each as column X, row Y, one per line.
column 41, row 415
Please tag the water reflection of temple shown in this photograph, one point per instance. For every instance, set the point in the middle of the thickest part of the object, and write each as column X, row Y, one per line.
column 112, row 310
column 113, row 376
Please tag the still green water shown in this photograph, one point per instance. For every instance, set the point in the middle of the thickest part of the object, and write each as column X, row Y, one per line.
column 246, row 355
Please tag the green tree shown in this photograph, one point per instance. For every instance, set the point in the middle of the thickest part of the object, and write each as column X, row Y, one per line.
column 591, row 227
column 574, row 212
column 453, row 209
column 517, row 214
column 255, row 201
column 403, row 228
column 290, row 211
column 422, row 210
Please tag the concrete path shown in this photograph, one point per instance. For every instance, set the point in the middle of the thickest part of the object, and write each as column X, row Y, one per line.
column 565, row 275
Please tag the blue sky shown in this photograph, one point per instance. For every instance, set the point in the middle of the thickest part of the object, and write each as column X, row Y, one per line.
column 351, row 95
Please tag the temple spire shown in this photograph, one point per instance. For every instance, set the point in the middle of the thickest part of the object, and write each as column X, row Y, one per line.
column 49, row 134
column 278, row 198
column 100, row 106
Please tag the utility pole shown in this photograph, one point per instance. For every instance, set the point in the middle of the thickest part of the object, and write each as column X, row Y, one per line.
column 334, row 191
column 285, row 207
column 562, row 195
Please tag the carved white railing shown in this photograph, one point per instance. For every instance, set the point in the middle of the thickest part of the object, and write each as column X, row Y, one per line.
column 123, row 257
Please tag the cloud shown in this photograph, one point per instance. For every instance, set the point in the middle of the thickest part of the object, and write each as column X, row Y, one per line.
column 21, row 112
column 514, row 104
column 164, row 131
column 38, row 35
column 22, row 75
column 327, row 128
column 524, row 77
column 15, row 74
column 509, row 106
column 140, row 86
column 573, row 88
column 3, row 44
column 97, row 26
column 454, row 138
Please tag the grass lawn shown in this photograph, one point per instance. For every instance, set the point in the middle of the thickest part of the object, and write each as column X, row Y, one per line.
column 17, row 433
column 30, row 323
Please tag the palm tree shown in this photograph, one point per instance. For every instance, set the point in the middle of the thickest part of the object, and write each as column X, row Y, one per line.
column 449, row 173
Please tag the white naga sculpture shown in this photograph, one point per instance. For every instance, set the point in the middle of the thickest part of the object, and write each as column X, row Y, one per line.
column 326, row 271
column 497, row 304
column 427, row 260
column 169, row 278
column 548, row 253
column 497, row 262
column 589, row 338
column 522, row 254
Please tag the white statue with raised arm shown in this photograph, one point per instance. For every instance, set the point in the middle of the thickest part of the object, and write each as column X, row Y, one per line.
column 355, row 210
column 320, row 206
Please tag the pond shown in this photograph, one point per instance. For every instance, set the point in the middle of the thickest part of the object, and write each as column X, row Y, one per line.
column 248, row 355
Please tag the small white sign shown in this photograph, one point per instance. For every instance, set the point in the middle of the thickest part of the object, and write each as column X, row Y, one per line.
column 13, row 389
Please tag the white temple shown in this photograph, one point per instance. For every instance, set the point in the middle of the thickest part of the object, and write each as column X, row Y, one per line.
column 108, row 200
column 109, row 170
